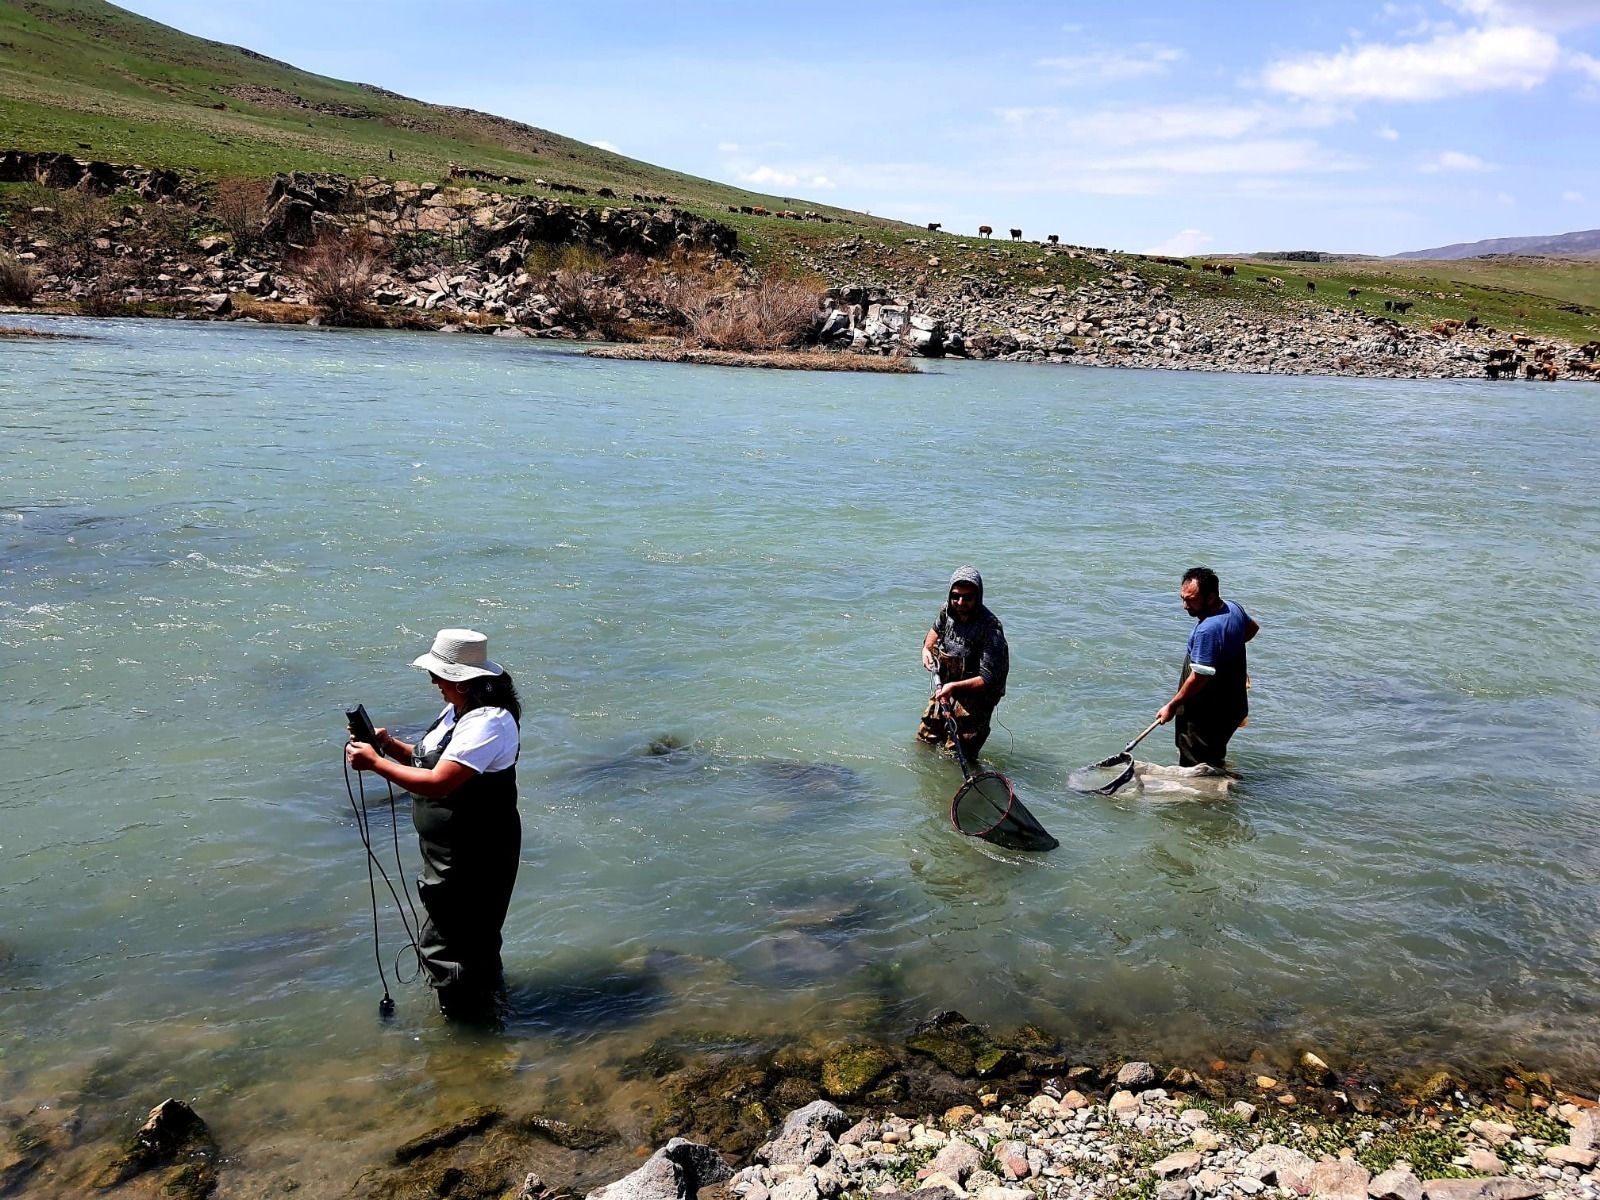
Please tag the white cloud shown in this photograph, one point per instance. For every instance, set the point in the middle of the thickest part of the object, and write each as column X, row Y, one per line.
column 605, row 146
column 1545, row 14
column 772, row 177
column 1451, row 64
column 728, row 147
column 1454, row 160
column 1389, row 133
column 1183, row 244
column 1262, row 157
column 1101, row 66
column 1205, row 120
column 1572, row 197
column 1587, row 63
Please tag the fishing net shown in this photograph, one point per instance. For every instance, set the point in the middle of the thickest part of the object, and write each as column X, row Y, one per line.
column 1105, row 778
column 986, row 807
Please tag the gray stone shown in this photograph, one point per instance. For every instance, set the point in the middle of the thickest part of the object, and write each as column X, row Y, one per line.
column 1504, row 1188
column 1338, row 1179
column 1181, row 1163
column 1567, row 1156
column 958, row 1160
column 1174, row 1189
column 1395, row 1184
column 1277, row 1164
column 801, row 1187
column 1586, row 1131
column 1004, row 1193
column 806, row 1136
column 677, row 1171
column 1484, row 1162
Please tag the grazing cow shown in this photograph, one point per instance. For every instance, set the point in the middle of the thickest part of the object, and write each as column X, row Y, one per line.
column 1311, row 285
column 759, row 211
column 1054, row 239
column 1354, row 292
column 1208, row 266
column 984, row 230
column 1403, row 306
column 1589, row 350
column 1226, row 270
column 1388, row 306
column 1442, row 328
column 606, row 194
column 1016, row 235
column 1262, row 279
column 933, row 227
column 1471, row 322
column 1521, row 341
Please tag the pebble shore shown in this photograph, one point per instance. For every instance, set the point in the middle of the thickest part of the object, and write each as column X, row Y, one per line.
column 1144, row 1141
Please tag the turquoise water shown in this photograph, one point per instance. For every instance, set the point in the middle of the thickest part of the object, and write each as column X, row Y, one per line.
column 216, row 537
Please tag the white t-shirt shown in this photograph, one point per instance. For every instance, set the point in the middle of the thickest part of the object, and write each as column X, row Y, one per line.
column 486, row 739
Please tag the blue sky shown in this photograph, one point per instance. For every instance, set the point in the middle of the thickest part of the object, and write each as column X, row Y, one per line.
column 1168, row 126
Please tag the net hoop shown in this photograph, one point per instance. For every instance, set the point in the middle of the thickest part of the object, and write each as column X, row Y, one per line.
column 971, row 782
column 1123, row 778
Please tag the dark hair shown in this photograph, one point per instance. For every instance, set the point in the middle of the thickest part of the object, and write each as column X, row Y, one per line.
column 492, row 691
column 1206, row 578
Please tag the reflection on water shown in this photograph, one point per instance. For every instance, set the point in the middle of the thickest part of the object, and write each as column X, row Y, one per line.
column 710, row 587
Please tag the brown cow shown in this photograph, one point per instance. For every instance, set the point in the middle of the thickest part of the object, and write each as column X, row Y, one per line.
column 1226, row 270
column 984, row 230
column 759, row 211
column 1016, row 235
column 1521, row 341
column 1208, row 266
column 1354, row 292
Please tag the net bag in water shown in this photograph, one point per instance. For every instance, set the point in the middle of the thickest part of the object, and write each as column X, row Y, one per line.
column 987, row 808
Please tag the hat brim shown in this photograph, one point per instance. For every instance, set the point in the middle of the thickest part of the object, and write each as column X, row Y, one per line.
column 455, row 672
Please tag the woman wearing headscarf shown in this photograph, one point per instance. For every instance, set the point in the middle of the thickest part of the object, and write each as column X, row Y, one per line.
column 462, row 774
column 967, row 647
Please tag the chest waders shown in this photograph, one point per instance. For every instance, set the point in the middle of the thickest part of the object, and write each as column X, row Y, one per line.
column 471, row 842
column 1206, row 722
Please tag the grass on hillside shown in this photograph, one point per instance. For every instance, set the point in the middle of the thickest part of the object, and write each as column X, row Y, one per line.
column 85, row 77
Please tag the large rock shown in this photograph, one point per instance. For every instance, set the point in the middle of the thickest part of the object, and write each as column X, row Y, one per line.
column 174, row 1140
column 1504, row 1188
column 1277, row 1164
column 1586, row 1131
column 852, row 1070
column 1395, row 1184
column 1181, row 1163
column 1338, row 1179
column 1136, row 1075
column 677, row 1171
column 958, row 1160
column 806, row 1137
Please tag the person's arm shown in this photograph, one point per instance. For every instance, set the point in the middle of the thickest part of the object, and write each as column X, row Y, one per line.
column 1192, row 684
column 431, row 783
column 1250, row 628
column 929, row 663
column 946, row 690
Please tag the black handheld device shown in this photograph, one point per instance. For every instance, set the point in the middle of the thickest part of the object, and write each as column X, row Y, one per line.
column 361, row 729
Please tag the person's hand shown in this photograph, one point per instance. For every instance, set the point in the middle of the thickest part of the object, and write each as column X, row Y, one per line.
column 928, row 661
column 946, row 690
column 360, row 755
column 1164, row 714
column 385, row 742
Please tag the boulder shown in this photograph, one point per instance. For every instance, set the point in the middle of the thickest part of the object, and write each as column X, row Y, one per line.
column 1395, row 1184
column 1136, row 1075
column 958, row 1160
column 677, row 1171
column 1503, row 1188
column 175, row 1140
column 1277, row 1164
column 1586, row 1131
column 1182, row 1163
column 806, row 1137
column 1338, row 1179
column 852, row 1070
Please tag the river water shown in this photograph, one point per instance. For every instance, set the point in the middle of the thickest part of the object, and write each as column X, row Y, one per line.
column 216, row 537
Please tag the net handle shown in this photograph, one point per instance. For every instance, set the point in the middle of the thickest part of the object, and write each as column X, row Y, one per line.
column 971, row 782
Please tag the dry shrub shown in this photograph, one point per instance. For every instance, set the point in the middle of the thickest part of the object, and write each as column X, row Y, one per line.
column 768, row 314
column 18, row 282
column 583, row 302
column 240, row 205
column 337, row 274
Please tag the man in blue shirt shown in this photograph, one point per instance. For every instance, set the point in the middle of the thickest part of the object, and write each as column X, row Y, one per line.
column 1210, row 704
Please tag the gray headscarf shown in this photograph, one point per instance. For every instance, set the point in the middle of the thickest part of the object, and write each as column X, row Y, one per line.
column 968, row 575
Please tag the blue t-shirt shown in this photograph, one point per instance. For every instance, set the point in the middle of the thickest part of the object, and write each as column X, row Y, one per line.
column 1217, row 642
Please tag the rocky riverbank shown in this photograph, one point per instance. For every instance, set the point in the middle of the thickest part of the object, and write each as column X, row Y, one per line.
column 951, row 1112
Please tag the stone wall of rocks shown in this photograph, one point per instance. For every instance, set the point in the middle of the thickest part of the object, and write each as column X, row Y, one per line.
column 63, row 171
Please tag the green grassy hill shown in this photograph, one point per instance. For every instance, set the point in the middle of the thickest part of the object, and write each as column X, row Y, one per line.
column 87, row 78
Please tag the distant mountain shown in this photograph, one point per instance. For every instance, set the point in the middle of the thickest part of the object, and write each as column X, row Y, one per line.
column 1586, row 241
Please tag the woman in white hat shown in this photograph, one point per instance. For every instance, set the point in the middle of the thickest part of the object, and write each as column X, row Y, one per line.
column 463, row 775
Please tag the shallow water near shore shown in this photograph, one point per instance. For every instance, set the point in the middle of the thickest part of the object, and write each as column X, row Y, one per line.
column 217, row 537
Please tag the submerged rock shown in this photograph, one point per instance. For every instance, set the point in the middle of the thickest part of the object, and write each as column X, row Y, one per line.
column 852, row 1070
column 174, row 1140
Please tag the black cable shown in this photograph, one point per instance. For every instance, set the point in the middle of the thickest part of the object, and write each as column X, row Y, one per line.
column 386, row 1005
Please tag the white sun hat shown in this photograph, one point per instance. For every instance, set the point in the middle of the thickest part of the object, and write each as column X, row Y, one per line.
column 458, row 655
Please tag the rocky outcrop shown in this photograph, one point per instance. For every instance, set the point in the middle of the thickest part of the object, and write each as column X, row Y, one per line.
column 677, row 1171
column 63, row 171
